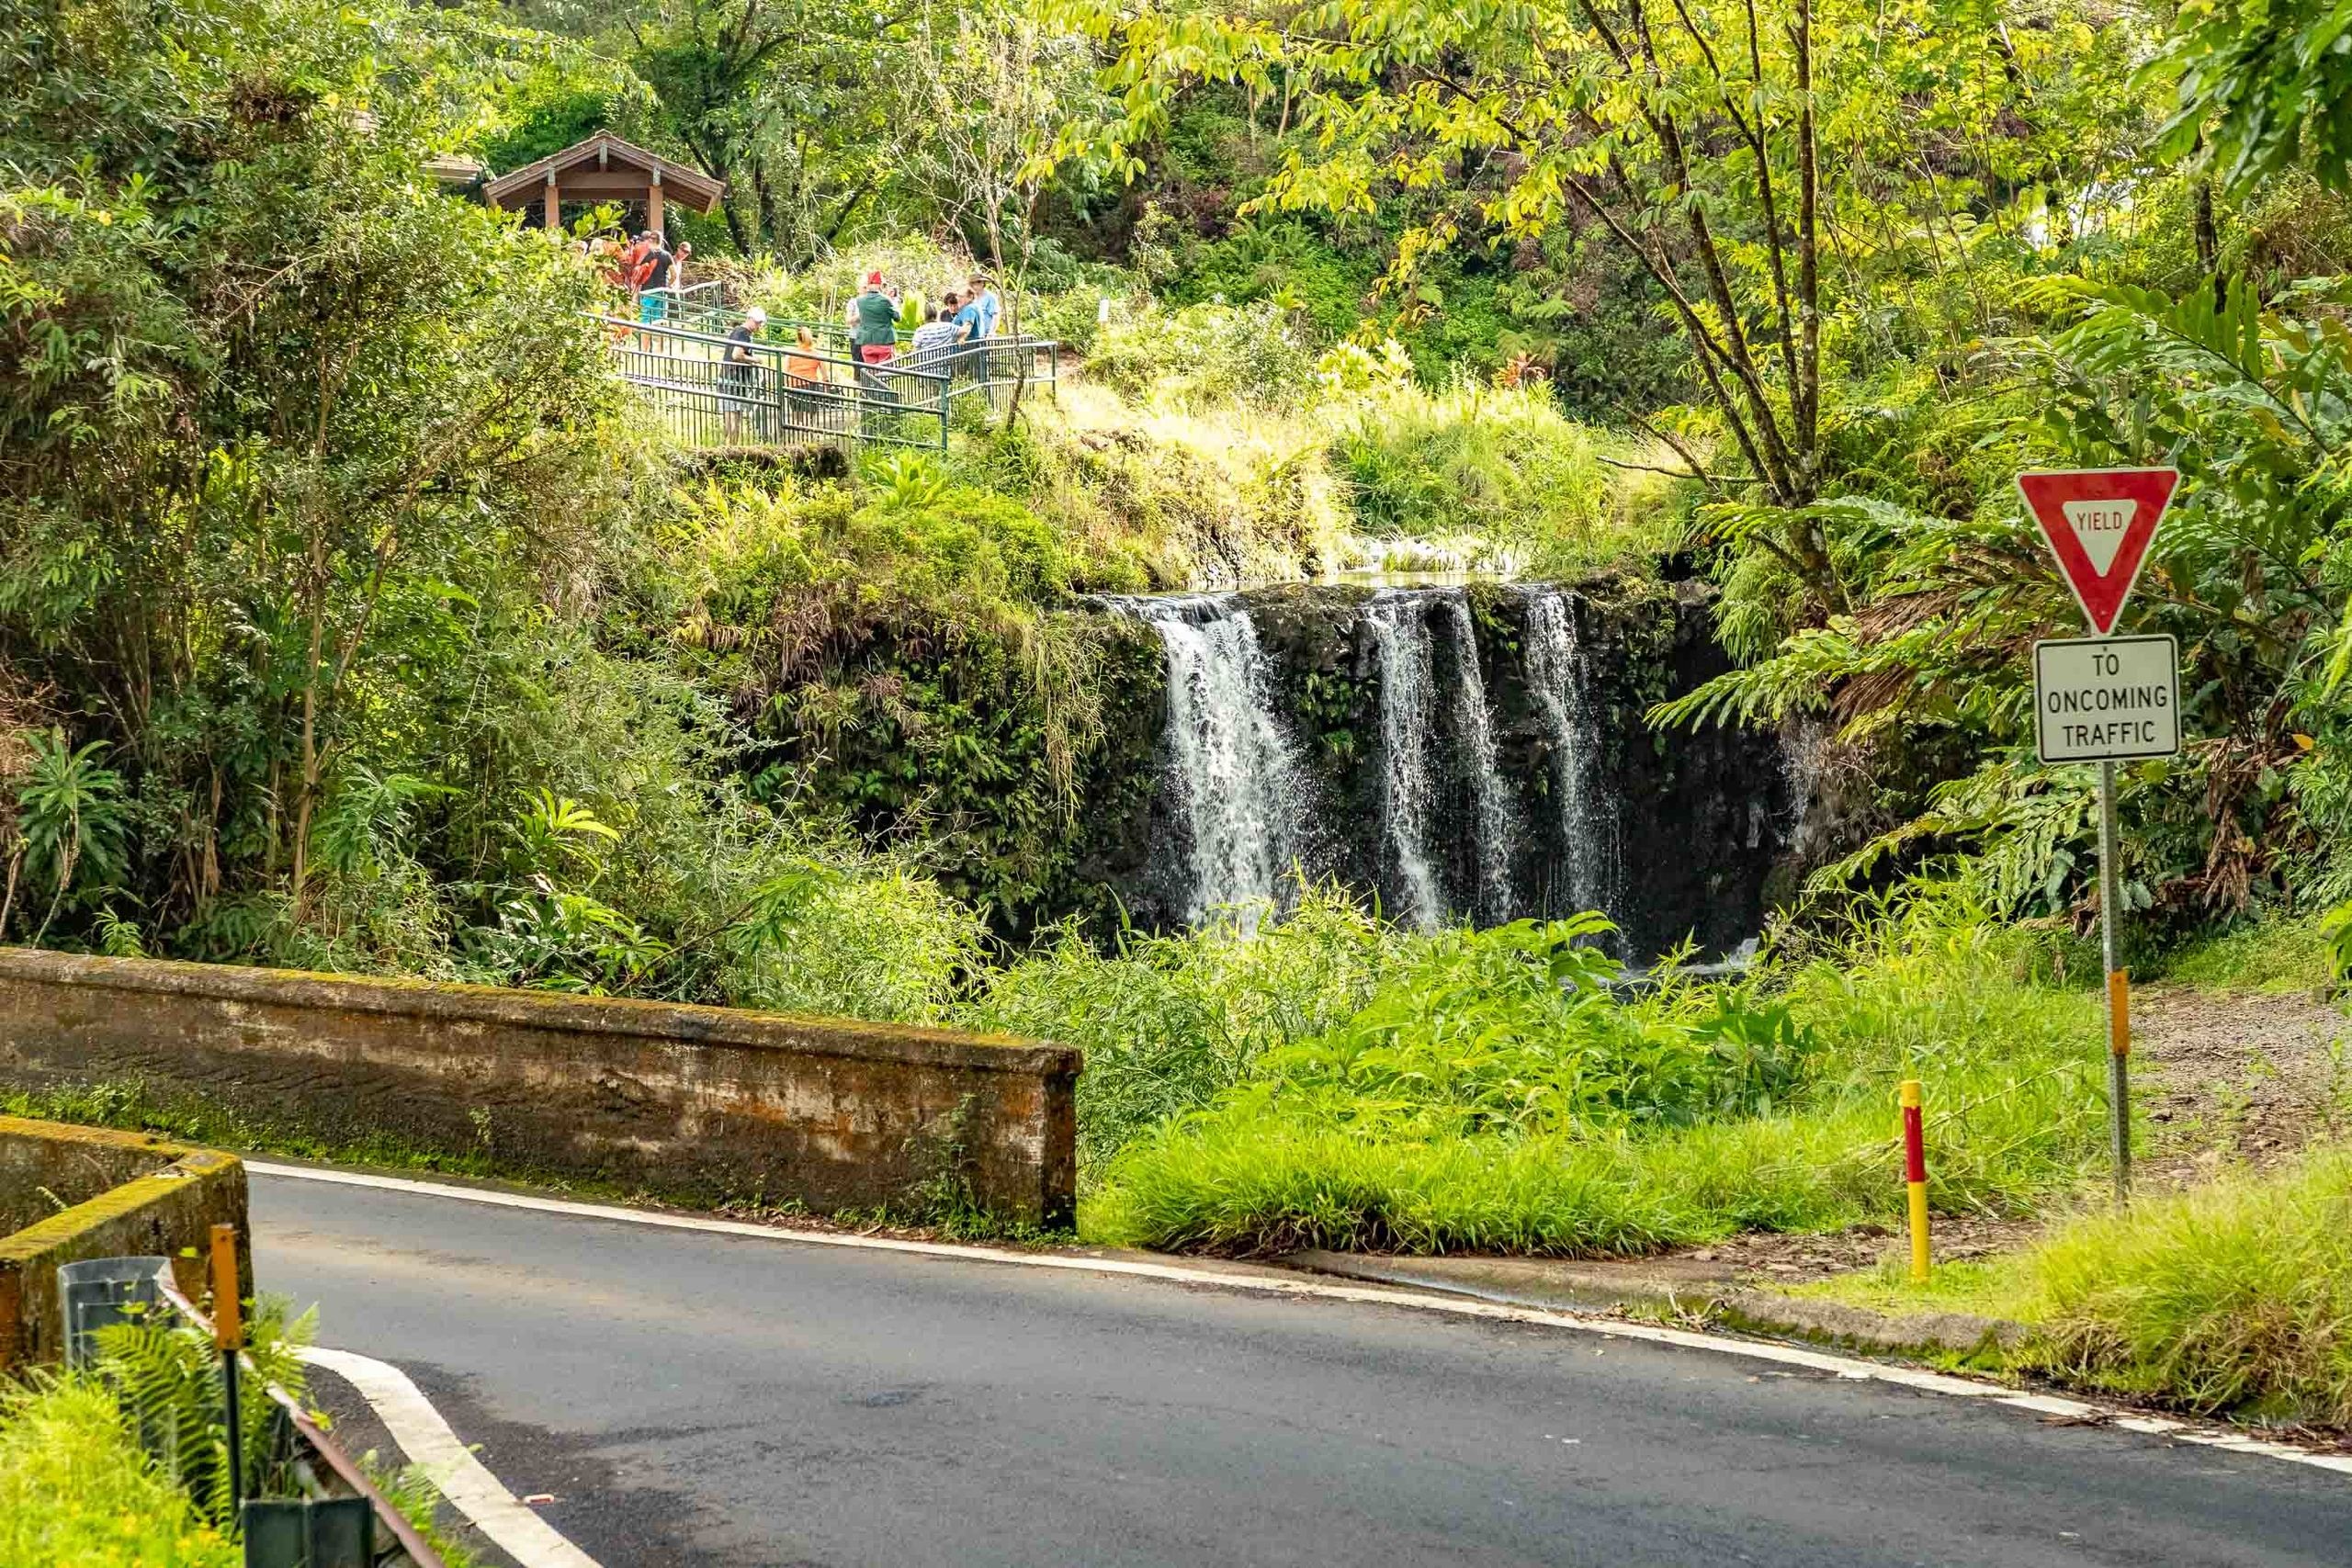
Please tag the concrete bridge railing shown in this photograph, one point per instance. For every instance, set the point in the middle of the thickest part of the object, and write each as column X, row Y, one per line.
column 700, row 1103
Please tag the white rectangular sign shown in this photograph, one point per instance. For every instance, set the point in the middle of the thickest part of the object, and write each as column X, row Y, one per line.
column 2106, row 699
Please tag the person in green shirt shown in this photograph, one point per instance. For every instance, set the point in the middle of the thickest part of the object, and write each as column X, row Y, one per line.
column 874, row 332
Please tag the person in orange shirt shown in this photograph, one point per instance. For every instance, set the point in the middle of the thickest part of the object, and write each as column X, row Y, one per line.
column 805, row 376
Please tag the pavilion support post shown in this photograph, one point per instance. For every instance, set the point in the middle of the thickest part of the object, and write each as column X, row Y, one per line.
column 653, row 203
column 555, row 206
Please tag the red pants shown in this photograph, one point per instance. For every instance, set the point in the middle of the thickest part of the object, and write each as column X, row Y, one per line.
column 875, row 353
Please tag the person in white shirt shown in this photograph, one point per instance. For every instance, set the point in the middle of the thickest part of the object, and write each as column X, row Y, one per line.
column 934, row 338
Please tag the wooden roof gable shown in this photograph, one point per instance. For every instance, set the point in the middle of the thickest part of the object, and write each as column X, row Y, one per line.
column 605, row 166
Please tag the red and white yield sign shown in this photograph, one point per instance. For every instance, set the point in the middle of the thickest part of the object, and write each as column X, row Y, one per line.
column 2099, row 523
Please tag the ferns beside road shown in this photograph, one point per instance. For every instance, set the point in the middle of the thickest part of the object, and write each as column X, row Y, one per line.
column 75, row 1488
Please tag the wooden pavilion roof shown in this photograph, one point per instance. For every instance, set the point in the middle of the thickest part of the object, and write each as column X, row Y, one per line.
column 605, row 166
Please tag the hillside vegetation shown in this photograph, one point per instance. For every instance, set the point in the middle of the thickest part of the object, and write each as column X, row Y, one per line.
column 355, row 616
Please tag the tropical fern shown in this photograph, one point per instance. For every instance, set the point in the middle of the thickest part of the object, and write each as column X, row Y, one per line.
column 166, row 1376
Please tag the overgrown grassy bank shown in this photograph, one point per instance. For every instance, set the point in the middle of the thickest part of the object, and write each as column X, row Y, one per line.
column 2230, row 1298
column 75, row 1488
column 2235, row 1296
column 1494, row 1094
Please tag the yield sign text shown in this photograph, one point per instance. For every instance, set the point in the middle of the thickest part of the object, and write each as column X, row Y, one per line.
column 2099, row 523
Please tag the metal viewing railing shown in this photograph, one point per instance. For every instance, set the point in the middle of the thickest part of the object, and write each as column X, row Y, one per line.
column 790, row 397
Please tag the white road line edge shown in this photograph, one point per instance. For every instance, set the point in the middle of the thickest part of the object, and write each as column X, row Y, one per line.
column 429, row 1444
column 1458, row 1307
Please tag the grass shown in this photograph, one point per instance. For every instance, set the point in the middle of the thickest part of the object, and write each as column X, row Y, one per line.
column 1502, row 467
column 1283, row 1158
column 1988, row 1287
column 75, row 1489
column 1201, row 490
column 2232, row 1298
column 2276, row 956
column 1168, row 1022
column 2235, row 1296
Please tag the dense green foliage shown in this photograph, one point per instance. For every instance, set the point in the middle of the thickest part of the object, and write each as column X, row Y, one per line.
column 1475, row 1104
column 2232, row 1297
column 75, row 1488
column 1167, row 1022
column 352, row 616
column 1907, row 253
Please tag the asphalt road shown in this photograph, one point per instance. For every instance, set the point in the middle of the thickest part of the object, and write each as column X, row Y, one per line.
column 693, row 1399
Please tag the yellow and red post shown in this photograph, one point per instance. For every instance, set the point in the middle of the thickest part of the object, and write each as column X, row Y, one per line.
column 1915, row 1176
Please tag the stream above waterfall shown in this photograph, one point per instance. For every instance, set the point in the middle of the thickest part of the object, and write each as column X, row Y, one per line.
column 1464, row 750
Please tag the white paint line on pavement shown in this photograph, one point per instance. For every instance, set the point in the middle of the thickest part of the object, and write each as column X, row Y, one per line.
column 429, row 1444
column 1374, row 1295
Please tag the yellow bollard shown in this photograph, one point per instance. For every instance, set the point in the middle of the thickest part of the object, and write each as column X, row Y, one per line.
column 1915, row 1176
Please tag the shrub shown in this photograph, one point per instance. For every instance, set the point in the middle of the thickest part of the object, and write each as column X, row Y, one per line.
column 1204, row 355
column 1175, row 500
column 1477, row 1104
column 1500, row 466
column 1168, row 1022
column 75, row 1488
column 1517, row 1030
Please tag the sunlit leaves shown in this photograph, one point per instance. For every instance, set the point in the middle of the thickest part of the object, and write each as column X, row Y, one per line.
column 2265, row 85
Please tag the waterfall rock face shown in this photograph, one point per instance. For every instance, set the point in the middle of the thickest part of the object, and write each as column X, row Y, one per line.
column 1233, row 789
column 1472, row 753
column 1559, row 690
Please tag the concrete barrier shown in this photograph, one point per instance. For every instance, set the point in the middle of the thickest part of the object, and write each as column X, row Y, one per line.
column 708, row 1104
column 72, row 1194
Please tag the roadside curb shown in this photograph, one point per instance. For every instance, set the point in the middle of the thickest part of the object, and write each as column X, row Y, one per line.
column 1678, row 1291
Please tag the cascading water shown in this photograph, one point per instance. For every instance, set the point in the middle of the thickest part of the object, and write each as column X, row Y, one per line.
column 1498, row 826
column 1408, row 775
column 1359, row 734
column 1238, row 785
column 1558, row 688
column 1437, row 740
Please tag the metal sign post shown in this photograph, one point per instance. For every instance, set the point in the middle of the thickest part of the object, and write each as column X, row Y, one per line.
column 2106, row 699
column 229, row 1337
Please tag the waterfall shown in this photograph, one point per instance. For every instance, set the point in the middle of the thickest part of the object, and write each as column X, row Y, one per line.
column 1557, row 683
column 1408, row 772
column 1437, row 744
column 1356, row 730
column 1498, row 826
column 1237, row 783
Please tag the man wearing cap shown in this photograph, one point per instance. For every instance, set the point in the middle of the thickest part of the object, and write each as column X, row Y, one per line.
column 739, row 372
